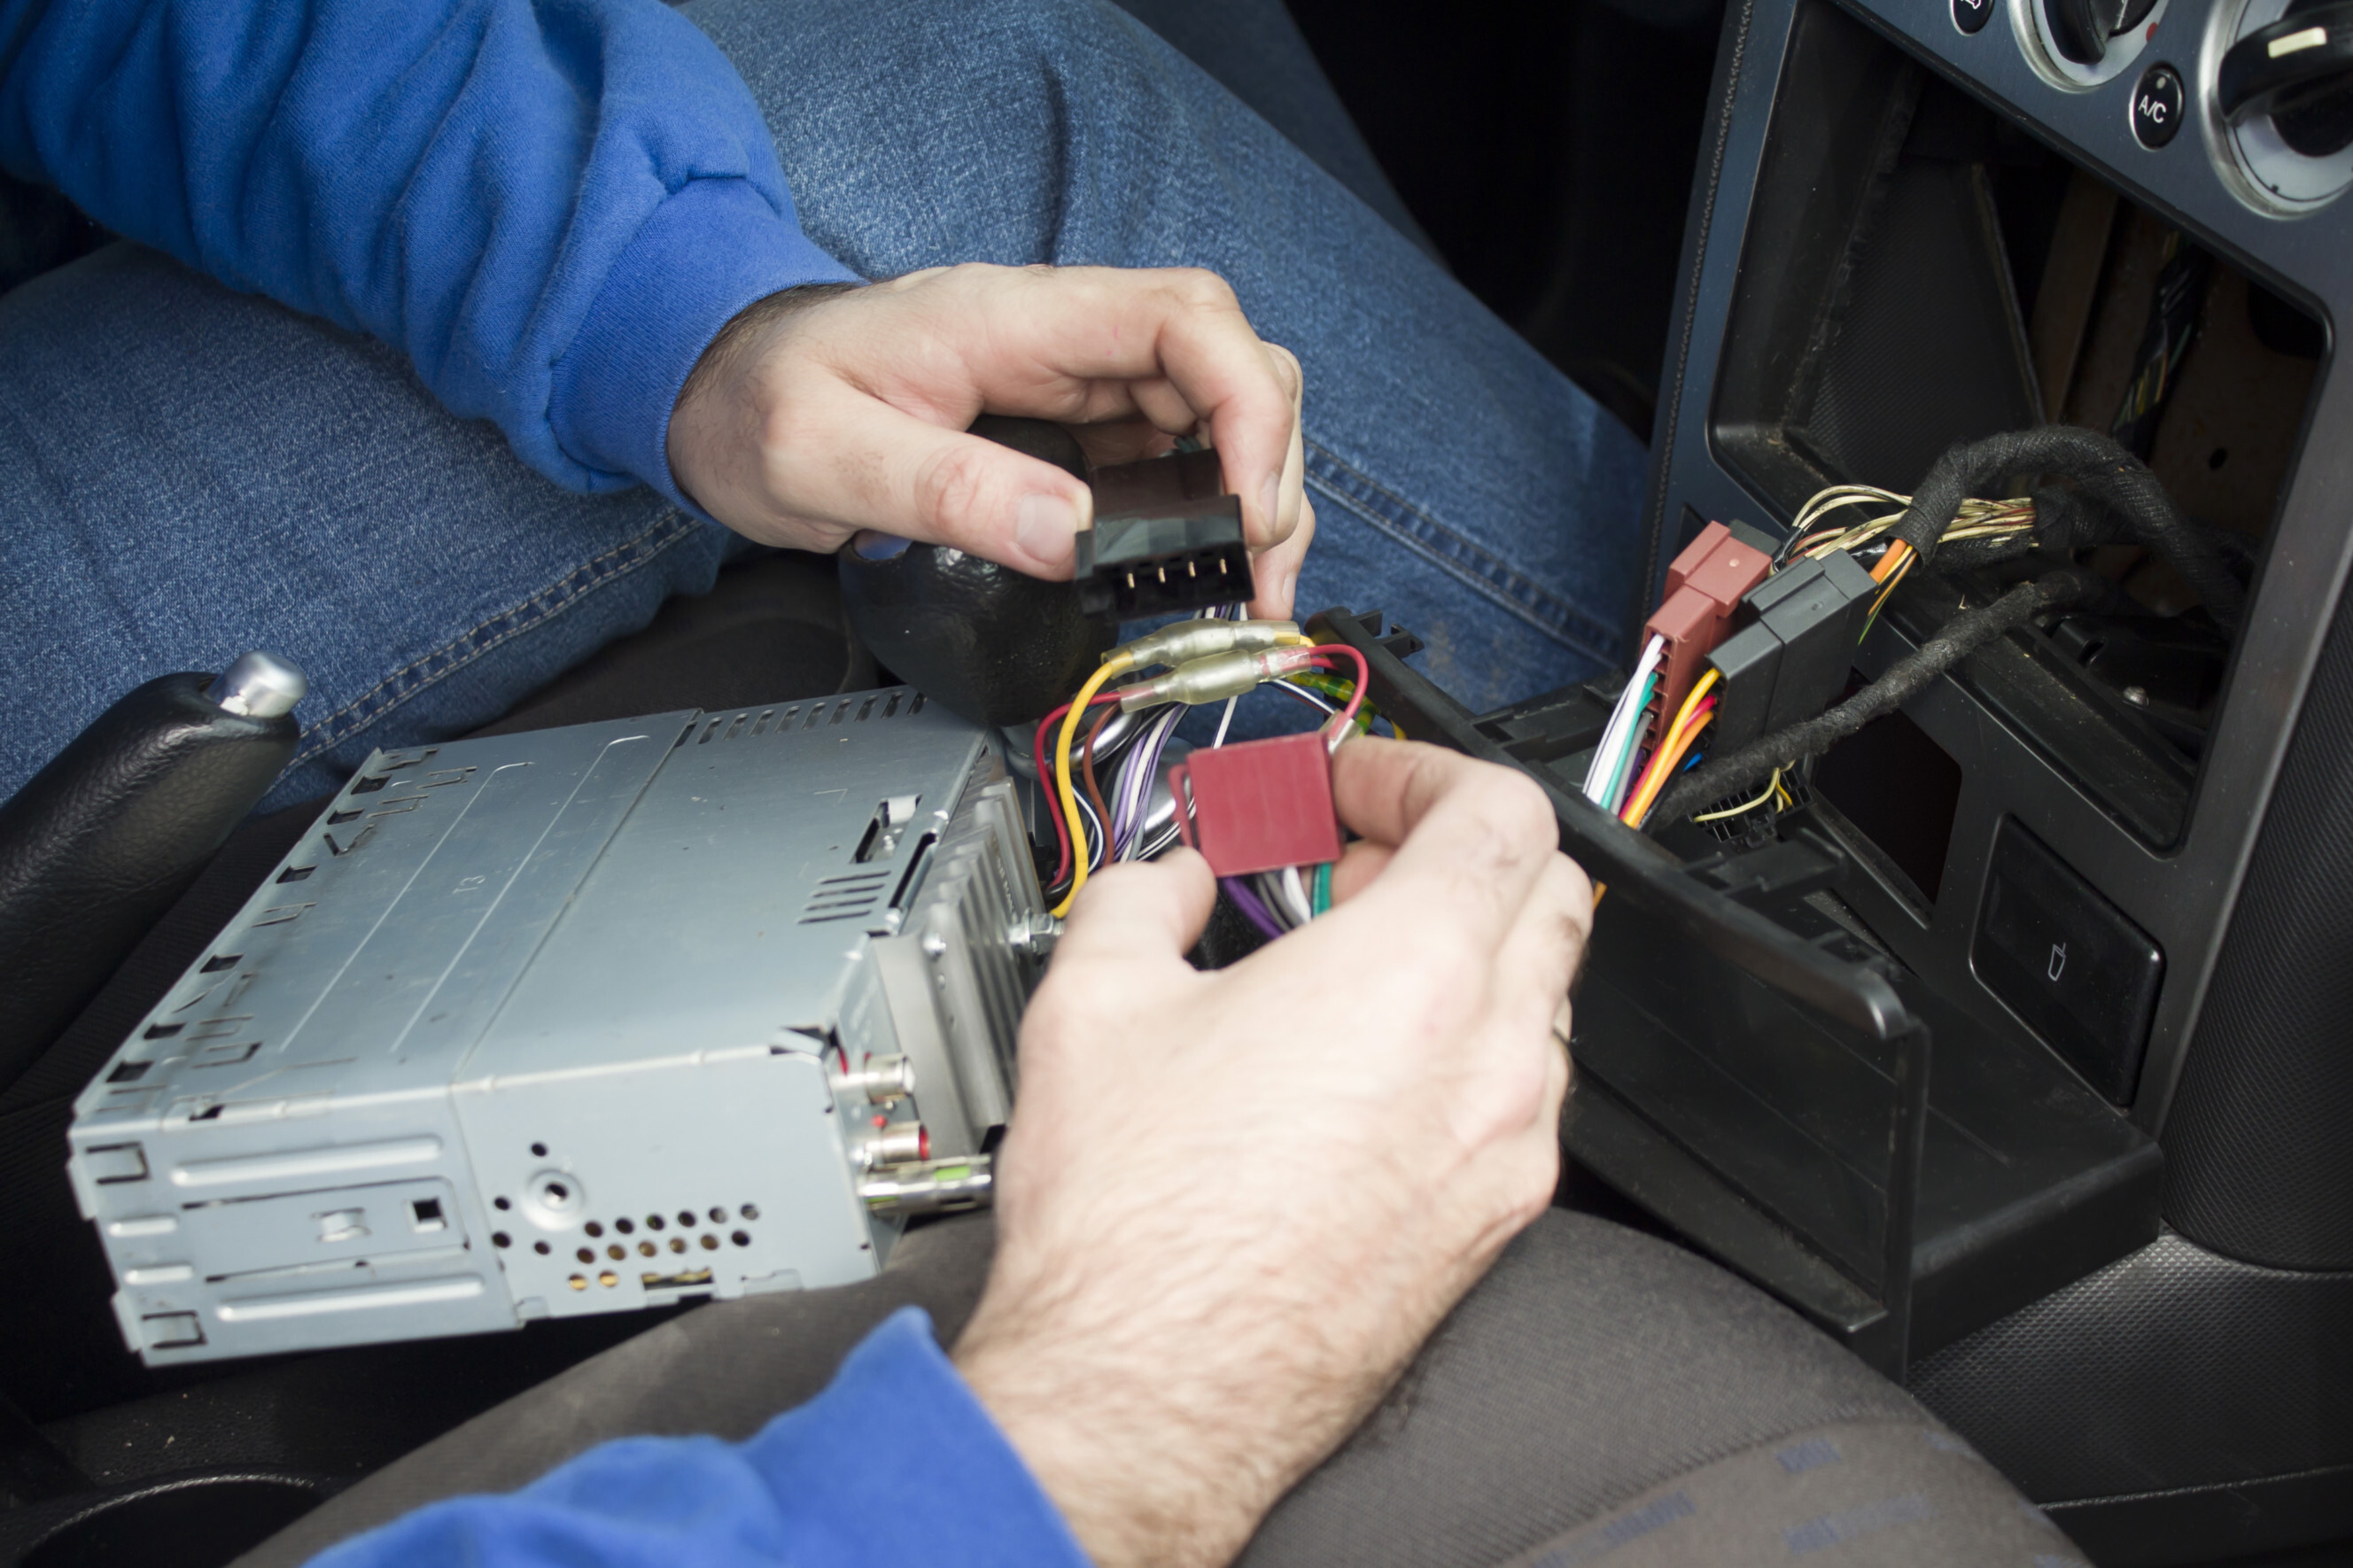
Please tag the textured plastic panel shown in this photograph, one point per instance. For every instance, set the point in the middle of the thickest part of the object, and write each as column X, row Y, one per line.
column 544, row 1025
column 2260, row 1141
column 1924, row 287
column 2172, row 1368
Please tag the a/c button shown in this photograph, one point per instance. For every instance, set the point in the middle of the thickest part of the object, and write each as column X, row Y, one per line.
column 2156, row 106
column 2067, row 962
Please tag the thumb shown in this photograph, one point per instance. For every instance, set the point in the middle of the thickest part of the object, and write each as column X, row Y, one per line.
column 869, row 465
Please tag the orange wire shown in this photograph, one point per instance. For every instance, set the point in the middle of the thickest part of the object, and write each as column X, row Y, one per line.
column 1683, row 716
column 1894, row 578
column 1664, row 764
column 1897, row 553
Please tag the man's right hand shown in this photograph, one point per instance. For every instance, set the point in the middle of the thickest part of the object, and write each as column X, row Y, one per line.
column 1231, row 1206
column 821, row 412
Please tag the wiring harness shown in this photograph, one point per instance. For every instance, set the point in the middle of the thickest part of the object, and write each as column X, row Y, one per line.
column 1217, row 658
column 1736, row 686
column 1960, row 637
column 1766, row 696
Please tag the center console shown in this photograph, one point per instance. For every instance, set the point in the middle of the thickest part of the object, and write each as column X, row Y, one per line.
column 2011, row 1049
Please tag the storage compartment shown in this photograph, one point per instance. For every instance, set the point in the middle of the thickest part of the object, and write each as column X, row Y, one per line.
column 1917, row 271
column 1757, row 1070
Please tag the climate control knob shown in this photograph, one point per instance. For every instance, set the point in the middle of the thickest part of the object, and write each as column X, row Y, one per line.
column 2298, row 71
column 2082, row 28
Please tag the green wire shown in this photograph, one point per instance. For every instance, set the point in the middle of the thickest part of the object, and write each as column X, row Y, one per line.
column 1321, row 899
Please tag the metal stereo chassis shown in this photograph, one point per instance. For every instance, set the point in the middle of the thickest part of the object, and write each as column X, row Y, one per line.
column 577, row 1021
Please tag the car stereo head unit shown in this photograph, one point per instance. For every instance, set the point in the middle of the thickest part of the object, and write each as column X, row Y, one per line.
column 577, row 1021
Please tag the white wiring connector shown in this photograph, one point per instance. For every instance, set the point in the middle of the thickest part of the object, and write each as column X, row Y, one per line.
column 1218, row 677
column 1183, row 642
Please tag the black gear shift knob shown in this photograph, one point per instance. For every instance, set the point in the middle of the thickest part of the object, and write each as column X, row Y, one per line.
column 994, row 646
column 96, row 845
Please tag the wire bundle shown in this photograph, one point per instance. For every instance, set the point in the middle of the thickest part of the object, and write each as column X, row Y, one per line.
column 1613, row 755
column 1963, row 635
column 1698, row 710
column 1626, row 780
column 2113, row 497
column 1810, row 537
column 1100, row 825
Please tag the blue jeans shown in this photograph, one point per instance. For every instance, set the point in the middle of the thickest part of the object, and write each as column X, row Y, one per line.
column 186, row 472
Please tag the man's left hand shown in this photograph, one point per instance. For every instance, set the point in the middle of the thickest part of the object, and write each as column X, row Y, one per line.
column 818, row 414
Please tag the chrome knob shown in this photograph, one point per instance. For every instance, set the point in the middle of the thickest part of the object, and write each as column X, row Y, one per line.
column 258, row 685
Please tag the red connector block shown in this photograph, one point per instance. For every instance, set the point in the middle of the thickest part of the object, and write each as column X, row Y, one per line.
column 1705, row 585
column 1259, row 805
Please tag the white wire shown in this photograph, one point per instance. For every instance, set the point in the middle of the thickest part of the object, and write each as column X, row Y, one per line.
column 1225, row 721
column 1278, row 903
column 1306, row 694
column 1136, row 779
column 1095, row 845
column 1619, row 731
column 1618, row 739
column 1296, row 892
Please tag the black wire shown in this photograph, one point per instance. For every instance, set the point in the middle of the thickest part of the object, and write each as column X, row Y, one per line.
column 2113, row 490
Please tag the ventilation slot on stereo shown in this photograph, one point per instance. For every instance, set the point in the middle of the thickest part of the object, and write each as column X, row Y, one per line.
column 751, row 723
column 844, row 898
column 225, row 1055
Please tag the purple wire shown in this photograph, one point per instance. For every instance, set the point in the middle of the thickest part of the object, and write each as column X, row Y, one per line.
column 1134, row 788
column 1247, row 901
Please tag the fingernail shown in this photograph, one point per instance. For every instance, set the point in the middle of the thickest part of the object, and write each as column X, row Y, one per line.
column 871, row 544
column 1043, row 527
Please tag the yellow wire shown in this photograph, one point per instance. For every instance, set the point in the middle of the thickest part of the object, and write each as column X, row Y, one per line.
column 1771, row 791
column 1069, row 797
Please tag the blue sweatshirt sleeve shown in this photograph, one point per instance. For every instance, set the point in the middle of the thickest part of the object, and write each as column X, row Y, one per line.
column 896, row 1462
column 552, row 206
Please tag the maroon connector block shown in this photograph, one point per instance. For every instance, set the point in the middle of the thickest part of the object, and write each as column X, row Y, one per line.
column 1259, row 805
column 1705, row 584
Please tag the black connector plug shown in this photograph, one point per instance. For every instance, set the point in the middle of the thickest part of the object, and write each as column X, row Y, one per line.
column 1185, row 557
column 1165, row 541
column 1789, row 662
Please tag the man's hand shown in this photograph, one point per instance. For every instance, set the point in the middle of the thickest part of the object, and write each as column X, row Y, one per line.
column 814, row 416
column 1231, row 1206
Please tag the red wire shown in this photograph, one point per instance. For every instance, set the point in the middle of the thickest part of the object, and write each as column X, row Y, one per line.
column 1045, row 784
column 1364, row 676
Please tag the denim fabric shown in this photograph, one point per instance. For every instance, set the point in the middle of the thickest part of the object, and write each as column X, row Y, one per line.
column 1256, row 51
column 186, row 472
